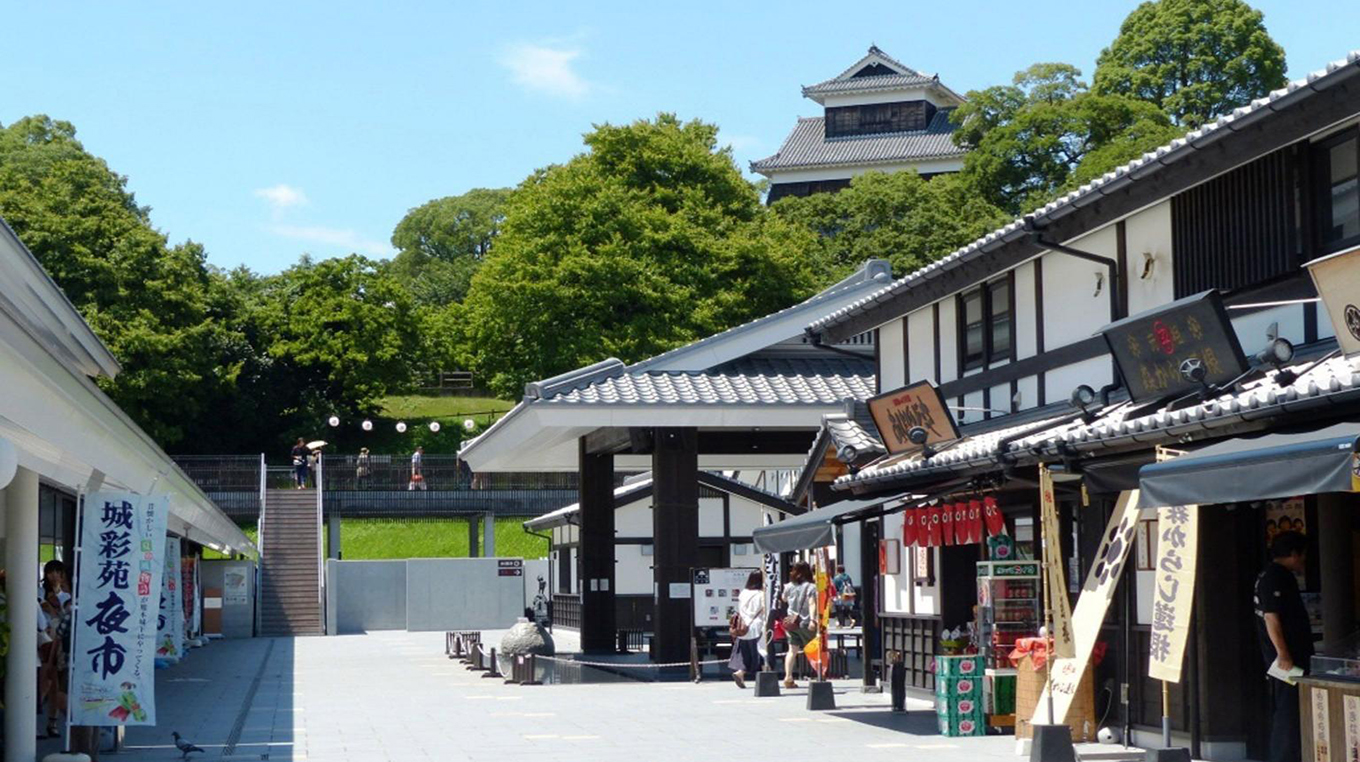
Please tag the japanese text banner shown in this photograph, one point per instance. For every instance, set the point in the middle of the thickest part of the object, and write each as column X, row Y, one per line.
column 1174, row 597
column 122, row 546
column 170, row 624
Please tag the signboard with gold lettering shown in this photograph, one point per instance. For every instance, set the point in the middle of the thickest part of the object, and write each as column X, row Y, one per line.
column 919, row 405
column 1160, row 352
column 1337, row 278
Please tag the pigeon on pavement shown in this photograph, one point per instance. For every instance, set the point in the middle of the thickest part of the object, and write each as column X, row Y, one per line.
column 185, row 748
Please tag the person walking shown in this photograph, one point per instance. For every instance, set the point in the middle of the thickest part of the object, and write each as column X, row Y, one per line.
column 299, row 455
column 417, row 470
column 363, row 468
column 1286, row 637
column 313, row 459
column 55, row 605
column 746, row 637
column 845, row 596
column 800, row 624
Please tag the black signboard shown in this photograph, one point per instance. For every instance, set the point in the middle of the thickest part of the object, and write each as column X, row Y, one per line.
column 1159, row 352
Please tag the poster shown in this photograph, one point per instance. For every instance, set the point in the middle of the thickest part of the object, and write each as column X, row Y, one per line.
column 715, row 595
column 1096, row 593
column 170, row 625
column 1285, row 516
column 188, row 584
column 236, row 586
column 1060, row 609
column 122, row 546
column 1174, row 589
column 1350, row 710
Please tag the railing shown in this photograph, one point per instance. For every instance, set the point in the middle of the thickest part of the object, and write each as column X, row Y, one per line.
column 320, row 540
column 387, row 472
column 567, row 611
column 259, row 544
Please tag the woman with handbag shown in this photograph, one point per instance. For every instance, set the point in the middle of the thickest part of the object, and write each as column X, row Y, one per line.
column 800, row 597
column 748, row 627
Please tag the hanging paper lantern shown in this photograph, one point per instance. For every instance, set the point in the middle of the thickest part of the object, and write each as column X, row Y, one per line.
column 996, row 523
column 434, row 427
column 469, row 424
column 401, row 427
column 947, row 523
column 975, row 520
column 936, row 530
column 908, row 527
column 367, row 425
column 334, row 421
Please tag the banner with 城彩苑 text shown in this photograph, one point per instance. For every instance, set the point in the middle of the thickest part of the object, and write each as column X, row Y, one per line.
column 170, row 629
column 122, row 546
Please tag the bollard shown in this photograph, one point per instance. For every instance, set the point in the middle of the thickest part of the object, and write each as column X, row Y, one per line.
column 494, row 669
column 820, row 695
column 767, row 684
column 899, row 687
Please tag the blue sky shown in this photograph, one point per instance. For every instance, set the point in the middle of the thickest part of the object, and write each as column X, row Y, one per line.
column 265, row 130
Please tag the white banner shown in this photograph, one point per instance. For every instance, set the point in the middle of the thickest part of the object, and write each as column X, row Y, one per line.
column 1060, row 608
column 1177, row 549
column 170, row 629
column 1091, row 607
column 122, row 547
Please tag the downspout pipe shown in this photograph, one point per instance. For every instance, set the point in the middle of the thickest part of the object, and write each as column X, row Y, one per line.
column 1036, row 236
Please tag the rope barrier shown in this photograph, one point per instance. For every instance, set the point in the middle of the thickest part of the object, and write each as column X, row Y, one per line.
column 624, row 665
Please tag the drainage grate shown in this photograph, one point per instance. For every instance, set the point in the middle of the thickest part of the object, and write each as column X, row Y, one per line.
column 235, row 736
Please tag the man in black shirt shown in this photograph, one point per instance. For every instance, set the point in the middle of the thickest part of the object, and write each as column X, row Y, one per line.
column 1282, row 627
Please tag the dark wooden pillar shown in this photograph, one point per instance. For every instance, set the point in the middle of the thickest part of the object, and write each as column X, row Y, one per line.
column 472, row 537
column 675, row 525
column 596, row 553
column 869, row 534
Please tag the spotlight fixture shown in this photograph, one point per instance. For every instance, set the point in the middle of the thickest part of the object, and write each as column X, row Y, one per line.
column 847, row 454
column 917, row 435
column 1277, row 353
column 1082, row 397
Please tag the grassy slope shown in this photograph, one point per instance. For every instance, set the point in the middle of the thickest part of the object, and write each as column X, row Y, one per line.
column 367, row 539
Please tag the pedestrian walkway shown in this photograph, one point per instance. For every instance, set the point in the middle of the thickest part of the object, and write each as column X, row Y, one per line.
column 395, row 696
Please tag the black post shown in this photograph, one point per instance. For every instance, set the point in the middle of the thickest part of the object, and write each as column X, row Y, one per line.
column 869, row 534
column 675, row 529
column 472, row 536
column 597, row 550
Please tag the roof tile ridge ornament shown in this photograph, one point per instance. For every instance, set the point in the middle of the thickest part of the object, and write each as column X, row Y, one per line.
column 1143, row 165
column 573, row 379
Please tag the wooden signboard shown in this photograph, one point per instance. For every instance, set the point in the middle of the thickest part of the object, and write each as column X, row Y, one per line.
column 1155, row 349
column 898, row 412
column 1337, row 278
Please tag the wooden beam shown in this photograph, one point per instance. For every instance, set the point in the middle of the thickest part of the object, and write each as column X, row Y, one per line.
column 596, row 556
column 675, row 527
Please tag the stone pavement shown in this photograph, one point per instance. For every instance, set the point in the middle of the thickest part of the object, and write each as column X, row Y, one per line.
column 395, row 696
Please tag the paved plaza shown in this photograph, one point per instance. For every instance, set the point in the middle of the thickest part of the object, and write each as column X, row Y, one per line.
column 395, row 696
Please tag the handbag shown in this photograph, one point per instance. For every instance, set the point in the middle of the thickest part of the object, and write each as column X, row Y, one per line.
column 791, row 622
column 736, row 626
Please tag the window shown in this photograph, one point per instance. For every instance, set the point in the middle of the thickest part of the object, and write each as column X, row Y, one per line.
column 1336, row 165
column 877, row 118
column 985, row 324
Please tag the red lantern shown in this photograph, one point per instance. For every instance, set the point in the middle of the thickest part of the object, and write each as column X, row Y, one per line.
column 936, row 526
column 947, row 523
column 975, row 520
column 996, row 523
column 908, row 528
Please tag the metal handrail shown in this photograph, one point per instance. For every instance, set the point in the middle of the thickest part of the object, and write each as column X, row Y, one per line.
column 320, row 543
column 259, row 544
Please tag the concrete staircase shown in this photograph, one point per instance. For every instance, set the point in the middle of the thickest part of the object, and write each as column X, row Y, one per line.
column 290, row 585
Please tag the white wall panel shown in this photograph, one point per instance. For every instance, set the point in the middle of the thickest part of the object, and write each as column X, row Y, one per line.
column 891, row 363
column 1149, row 233
column 744, row 516
column 1095, row 373
column 632, row 571
column 1251, row 329
column 949, row 348
column 711, row 517
column 921, row 337
column 1029, row 392
column 634, row 519
column 1001, row 398
column 1026, row 338
column 1072, row 308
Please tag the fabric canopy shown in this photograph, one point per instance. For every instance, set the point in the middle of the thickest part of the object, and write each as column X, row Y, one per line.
column 1270, row 466
column 814, row 529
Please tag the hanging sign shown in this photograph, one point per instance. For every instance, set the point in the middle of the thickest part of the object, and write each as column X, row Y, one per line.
column 1337, row 279
column 1322, row 728
column 919, row 405
column 170, row 623
column 1155, row 350
column 1174, row 598
column 122, row 545
column 1092, row 606
column 1060, row 607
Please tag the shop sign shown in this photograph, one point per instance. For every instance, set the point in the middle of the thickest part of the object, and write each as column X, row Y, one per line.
column 1337, row 279
column 1322, row 728
column 1350, row 709
column 896, row 413
column 1174, row 595
column 1089, row 614
column 113, row 638
column 1157, row 350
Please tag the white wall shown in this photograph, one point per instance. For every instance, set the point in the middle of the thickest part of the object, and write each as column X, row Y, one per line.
column 744, row 516
column 892, row 372
column 632, row 570
column 711, row 517
column 1094, row 373
column 1072, row 309
column 845, row 172
column 1024, row 332
column 921, row 345
column 634, row 519
column 1149, row 233
column 949, row 348
column 889, row 96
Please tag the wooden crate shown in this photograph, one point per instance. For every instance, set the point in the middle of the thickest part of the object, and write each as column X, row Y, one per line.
column 1029, row 686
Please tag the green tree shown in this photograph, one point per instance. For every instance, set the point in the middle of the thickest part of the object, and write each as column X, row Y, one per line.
column 649, row 240
column 335, row 336
column 150, row 302
column 440, row 244
column 900, row 216
column 1195, row 59
column 1027, row 141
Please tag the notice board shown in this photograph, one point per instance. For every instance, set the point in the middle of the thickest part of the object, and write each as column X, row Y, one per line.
column 715, row 594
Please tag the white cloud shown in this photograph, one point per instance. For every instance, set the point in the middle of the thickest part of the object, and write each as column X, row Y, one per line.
column 545, row 69
column 337, row 237
column 282, row 196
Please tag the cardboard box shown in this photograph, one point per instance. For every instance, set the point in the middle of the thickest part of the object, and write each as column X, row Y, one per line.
column 958, row 666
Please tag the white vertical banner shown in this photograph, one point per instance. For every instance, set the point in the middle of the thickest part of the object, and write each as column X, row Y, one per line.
column 122, row 545
column 170, row 630
column 1059, row 607
column 1174, row 597
column 1096, row 593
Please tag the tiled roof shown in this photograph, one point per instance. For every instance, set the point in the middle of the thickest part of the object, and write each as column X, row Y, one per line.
column 863, row 84
column 1318, row 385
column 749, row 381
column 808, row 146
column 847, row 432
column 1147, row 164
column 636, row 490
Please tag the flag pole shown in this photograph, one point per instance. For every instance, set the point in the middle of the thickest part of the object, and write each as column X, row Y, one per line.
column 1047, row 595
column 75, row 608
